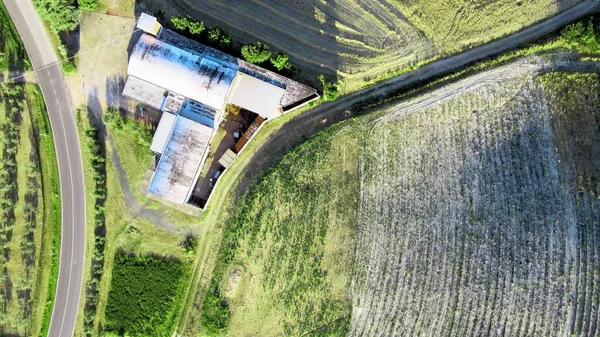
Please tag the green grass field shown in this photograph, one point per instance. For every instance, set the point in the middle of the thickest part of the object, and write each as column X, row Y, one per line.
column 283, row 267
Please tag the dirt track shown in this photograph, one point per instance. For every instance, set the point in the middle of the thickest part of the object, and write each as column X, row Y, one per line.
column 327, row 114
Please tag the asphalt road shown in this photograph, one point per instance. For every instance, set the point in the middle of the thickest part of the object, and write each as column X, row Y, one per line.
column 66, row 140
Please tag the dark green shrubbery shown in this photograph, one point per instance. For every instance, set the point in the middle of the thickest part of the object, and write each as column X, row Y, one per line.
column 256, row 53
column 63, row 15
column 143, row 298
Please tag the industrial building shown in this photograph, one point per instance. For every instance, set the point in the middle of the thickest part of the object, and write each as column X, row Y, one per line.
column 194, row 85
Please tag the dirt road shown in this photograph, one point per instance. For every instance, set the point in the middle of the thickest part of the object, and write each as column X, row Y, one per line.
column 327, row 114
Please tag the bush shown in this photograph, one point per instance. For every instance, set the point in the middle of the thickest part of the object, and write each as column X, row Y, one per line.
column 331, row 91
column 143, row 297
column 214, row 35
column 581, row 37
column 180, row 22
column 196, row 27
column 225, row 40
column 62, row 15
column 281, row 61
column 256, row 53
column 68, row 67
column 88, row 5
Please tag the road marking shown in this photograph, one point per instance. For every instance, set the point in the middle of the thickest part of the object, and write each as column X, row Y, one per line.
column 72, row 230
column 54, row 91
column 57, row 101
column 51, row 82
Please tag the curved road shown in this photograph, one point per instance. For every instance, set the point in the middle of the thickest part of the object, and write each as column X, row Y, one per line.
column 66, row 141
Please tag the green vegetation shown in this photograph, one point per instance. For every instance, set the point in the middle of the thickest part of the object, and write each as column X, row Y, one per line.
column 116, row 122
column 88, row 5
column 28, row 218
column 331, row 90
column 281, row 62
column 62, row 15
column 51, row 213
column 256, row 53
column 185, row 23
column 95, row 153
column 125, row 228
column 145, row 295
column 283, row 266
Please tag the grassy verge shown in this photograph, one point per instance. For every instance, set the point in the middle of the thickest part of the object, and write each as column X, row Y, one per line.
column 51, row 206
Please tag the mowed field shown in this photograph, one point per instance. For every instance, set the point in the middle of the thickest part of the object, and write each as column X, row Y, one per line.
column 359, row 40
column 472, row 210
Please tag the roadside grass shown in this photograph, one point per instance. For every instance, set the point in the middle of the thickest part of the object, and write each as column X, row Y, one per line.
column 51, row 212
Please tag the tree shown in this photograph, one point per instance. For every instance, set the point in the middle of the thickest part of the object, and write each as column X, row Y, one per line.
column 225, row 41
column 214, row 34
column 180, row 22
column 196, row 27
column 256, row 53
column 330, row 89
column 281, row 61
column 62, row 15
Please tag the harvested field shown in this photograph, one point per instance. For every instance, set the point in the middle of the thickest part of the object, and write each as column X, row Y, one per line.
column 480, row 214
column 472, row 210
column 357, row 40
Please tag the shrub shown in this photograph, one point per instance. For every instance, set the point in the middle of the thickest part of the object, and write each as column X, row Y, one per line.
column 68, row 67
column 225, row 41
column 88, row 5
column 196, row 27
column 180, row 22
column 214, row 34
column 331, row 91
column 256, row 53
column 281, row 61
column 143, row 298
column 581, row 37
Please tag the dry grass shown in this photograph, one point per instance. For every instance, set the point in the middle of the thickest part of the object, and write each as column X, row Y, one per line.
column 470, row 222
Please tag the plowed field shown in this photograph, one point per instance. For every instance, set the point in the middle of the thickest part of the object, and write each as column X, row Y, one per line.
column 359, row 40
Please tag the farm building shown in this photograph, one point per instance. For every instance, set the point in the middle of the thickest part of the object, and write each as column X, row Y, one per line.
column 194, row 85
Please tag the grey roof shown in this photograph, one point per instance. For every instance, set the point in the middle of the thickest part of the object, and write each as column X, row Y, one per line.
column 144, row 92
column 201, row 78
column 179, row 165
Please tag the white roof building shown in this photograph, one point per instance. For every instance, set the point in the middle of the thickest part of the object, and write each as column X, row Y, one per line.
column 203, row 79
column 178, row 168
column 258, row 96
column 192, row 84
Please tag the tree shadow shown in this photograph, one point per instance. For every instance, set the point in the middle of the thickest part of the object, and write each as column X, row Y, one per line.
column 234, row 18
